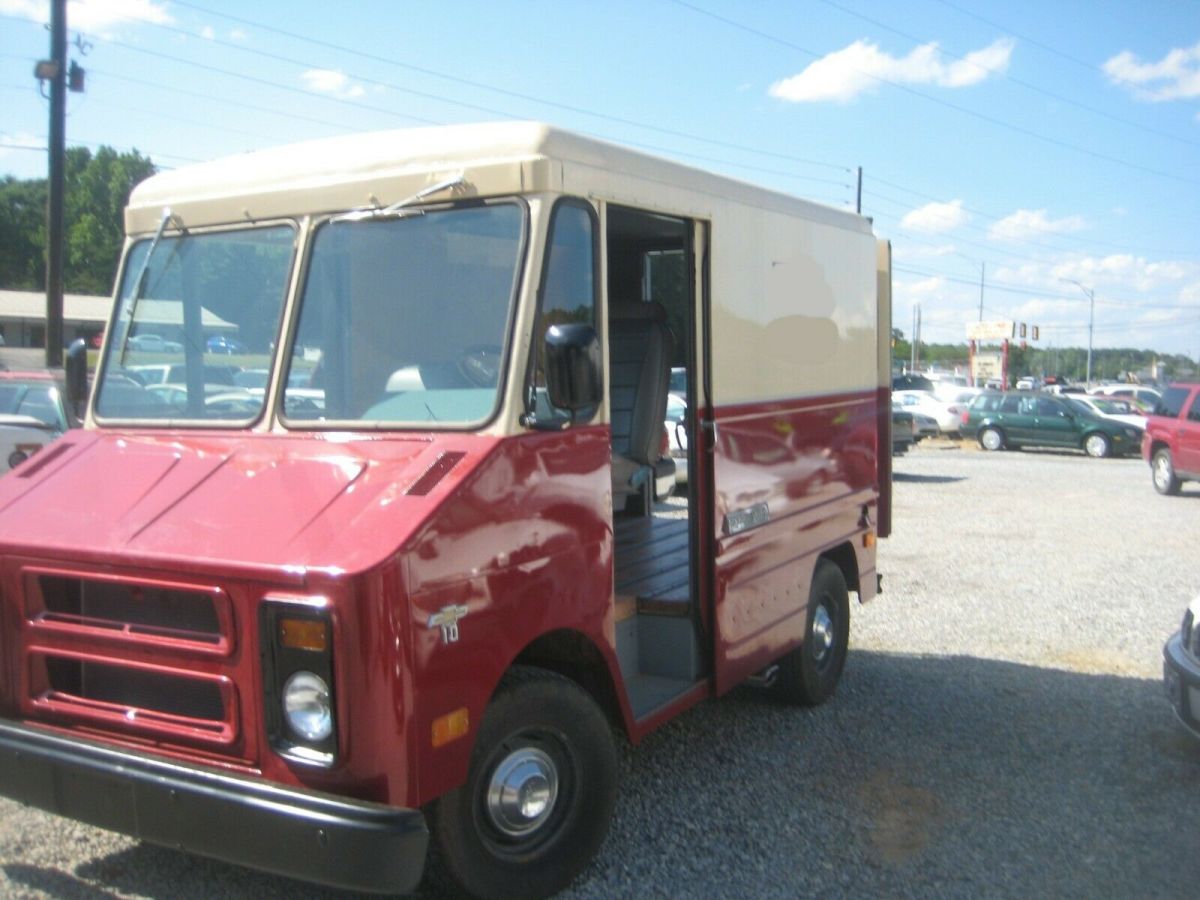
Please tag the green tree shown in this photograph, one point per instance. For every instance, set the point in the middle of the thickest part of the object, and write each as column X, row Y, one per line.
column 97, row 189
column 22, row 234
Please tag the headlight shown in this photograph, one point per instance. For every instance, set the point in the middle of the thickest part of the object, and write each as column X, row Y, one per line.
column 306, row 706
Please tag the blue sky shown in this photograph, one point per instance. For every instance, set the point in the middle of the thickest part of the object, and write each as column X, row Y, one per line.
column 1047, row 144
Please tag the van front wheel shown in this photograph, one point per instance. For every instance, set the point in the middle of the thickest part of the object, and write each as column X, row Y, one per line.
column 539, row 794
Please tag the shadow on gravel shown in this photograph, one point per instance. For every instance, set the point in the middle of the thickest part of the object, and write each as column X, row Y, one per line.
column 924, row 776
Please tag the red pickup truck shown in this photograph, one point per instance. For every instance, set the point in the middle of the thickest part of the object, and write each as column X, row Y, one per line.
column 1171, row 443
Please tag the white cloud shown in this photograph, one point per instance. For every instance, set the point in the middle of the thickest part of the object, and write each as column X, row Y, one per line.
column 97, row 16
column 844, row 74
column 208, row 33
column 935, row 217
column 1174, row 77
column 332, row 82
column 237, row 34
column 1032, row 223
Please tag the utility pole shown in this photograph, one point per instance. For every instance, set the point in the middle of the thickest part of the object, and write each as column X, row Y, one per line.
column 57, row 179
column 982, row 266
column 858, row 202
column 1091, row 295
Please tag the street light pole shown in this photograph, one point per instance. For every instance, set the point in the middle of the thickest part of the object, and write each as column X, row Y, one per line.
column 1091, row 295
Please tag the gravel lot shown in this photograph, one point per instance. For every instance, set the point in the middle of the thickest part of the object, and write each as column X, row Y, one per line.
column 1000, row 730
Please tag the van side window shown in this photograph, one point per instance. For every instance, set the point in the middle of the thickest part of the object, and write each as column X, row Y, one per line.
column 568, row 292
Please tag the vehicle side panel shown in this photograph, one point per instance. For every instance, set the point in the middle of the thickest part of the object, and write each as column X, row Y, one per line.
column 803, row 475
column 526, row 548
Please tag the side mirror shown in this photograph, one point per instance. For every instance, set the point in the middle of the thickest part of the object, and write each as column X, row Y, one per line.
column 76, row 367
column 573, row 379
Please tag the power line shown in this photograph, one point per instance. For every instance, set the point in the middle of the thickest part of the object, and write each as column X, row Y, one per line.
column 997, row 218
column 472, row 84
column 1018, row 81
column 941, row 102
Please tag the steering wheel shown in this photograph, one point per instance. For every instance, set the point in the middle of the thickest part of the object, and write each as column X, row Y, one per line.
column 480, row 364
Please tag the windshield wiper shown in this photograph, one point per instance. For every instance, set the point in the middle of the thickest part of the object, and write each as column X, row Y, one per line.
column 397, row 210
column 139, row 284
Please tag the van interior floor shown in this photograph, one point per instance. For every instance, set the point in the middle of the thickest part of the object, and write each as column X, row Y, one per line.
column 657, row 646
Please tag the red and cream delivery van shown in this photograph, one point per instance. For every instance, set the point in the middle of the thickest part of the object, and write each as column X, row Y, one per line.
column 381, row 562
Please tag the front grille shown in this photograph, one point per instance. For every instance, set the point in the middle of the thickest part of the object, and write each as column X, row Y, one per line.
column 147, row 613
column 142, row 655
column 139, row 698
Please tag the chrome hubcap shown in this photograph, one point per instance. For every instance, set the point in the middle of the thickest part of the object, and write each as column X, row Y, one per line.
column 822, row 634
column 1162, row 470
column 522, row 792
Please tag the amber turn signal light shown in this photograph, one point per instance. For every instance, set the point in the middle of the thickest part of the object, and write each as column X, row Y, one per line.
column 450, row 727
column 303, row 634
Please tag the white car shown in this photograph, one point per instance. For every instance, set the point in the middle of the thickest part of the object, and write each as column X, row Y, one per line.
column 677, row 435
column 946, row 416
column 1147, row 396
column 1118, row 409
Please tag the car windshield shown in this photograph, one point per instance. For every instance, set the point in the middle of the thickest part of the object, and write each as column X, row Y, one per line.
column 403, row 321
column 183, row 301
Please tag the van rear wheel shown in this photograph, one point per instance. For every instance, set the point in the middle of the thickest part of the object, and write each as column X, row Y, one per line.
column 539, row 794
column 809, row 675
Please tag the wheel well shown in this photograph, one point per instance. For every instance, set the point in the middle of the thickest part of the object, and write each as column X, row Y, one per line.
column 1158, row 445
column 844, row 557
column 572, row 655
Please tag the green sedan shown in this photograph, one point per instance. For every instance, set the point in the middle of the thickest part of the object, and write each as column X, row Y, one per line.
column 1014, row 419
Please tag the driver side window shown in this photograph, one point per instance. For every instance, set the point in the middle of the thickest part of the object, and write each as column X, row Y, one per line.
column 568, row 292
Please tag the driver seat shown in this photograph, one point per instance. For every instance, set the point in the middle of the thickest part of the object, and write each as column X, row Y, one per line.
column 640, row 347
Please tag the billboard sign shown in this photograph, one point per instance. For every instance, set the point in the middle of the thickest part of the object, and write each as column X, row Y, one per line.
column 990, row 331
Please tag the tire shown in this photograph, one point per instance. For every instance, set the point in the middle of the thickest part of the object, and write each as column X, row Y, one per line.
column 1097, row 445
column 543, row 742
column 809, row 675
column 991, row 439
column 1162, row 472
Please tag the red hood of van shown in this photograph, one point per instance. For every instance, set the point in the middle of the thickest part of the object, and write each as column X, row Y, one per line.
column 290, row 503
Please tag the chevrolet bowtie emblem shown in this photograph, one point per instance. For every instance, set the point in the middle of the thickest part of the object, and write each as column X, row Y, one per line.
column 447, row 619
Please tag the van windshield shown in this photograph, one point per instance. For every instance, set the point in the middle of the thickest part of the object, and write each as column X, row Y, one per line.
column 194, row 312
column 403, row 321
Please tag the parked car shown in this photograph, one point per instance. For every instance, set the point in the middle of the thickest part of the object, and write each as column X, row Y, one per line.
column 1181, row 669
column 221, row 343
column 1118, row 409
column 153, row 343
column 1172, row 440
column 168, row 373
column 32, row 414
column 947, row 415
column 911, row 382
column 1015, row 419
column 677, row 435
column 924, row 426
column 903, row 430
column 1147, row 396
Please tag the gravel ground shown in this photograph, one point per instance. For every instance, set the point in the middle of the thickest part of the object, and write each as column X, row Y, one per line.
column 1000, row 730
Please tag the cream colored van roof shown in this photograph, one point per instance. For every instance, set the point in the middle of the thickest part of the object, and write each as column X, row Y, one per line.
column 381, row 168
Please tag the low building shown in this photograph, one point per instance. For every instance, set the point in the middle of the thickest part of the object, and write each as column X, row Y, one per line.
column 23, row 317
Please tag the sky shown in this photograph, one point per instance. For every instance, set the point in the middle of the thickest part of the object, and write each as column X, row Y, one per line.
column 1046, row 150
